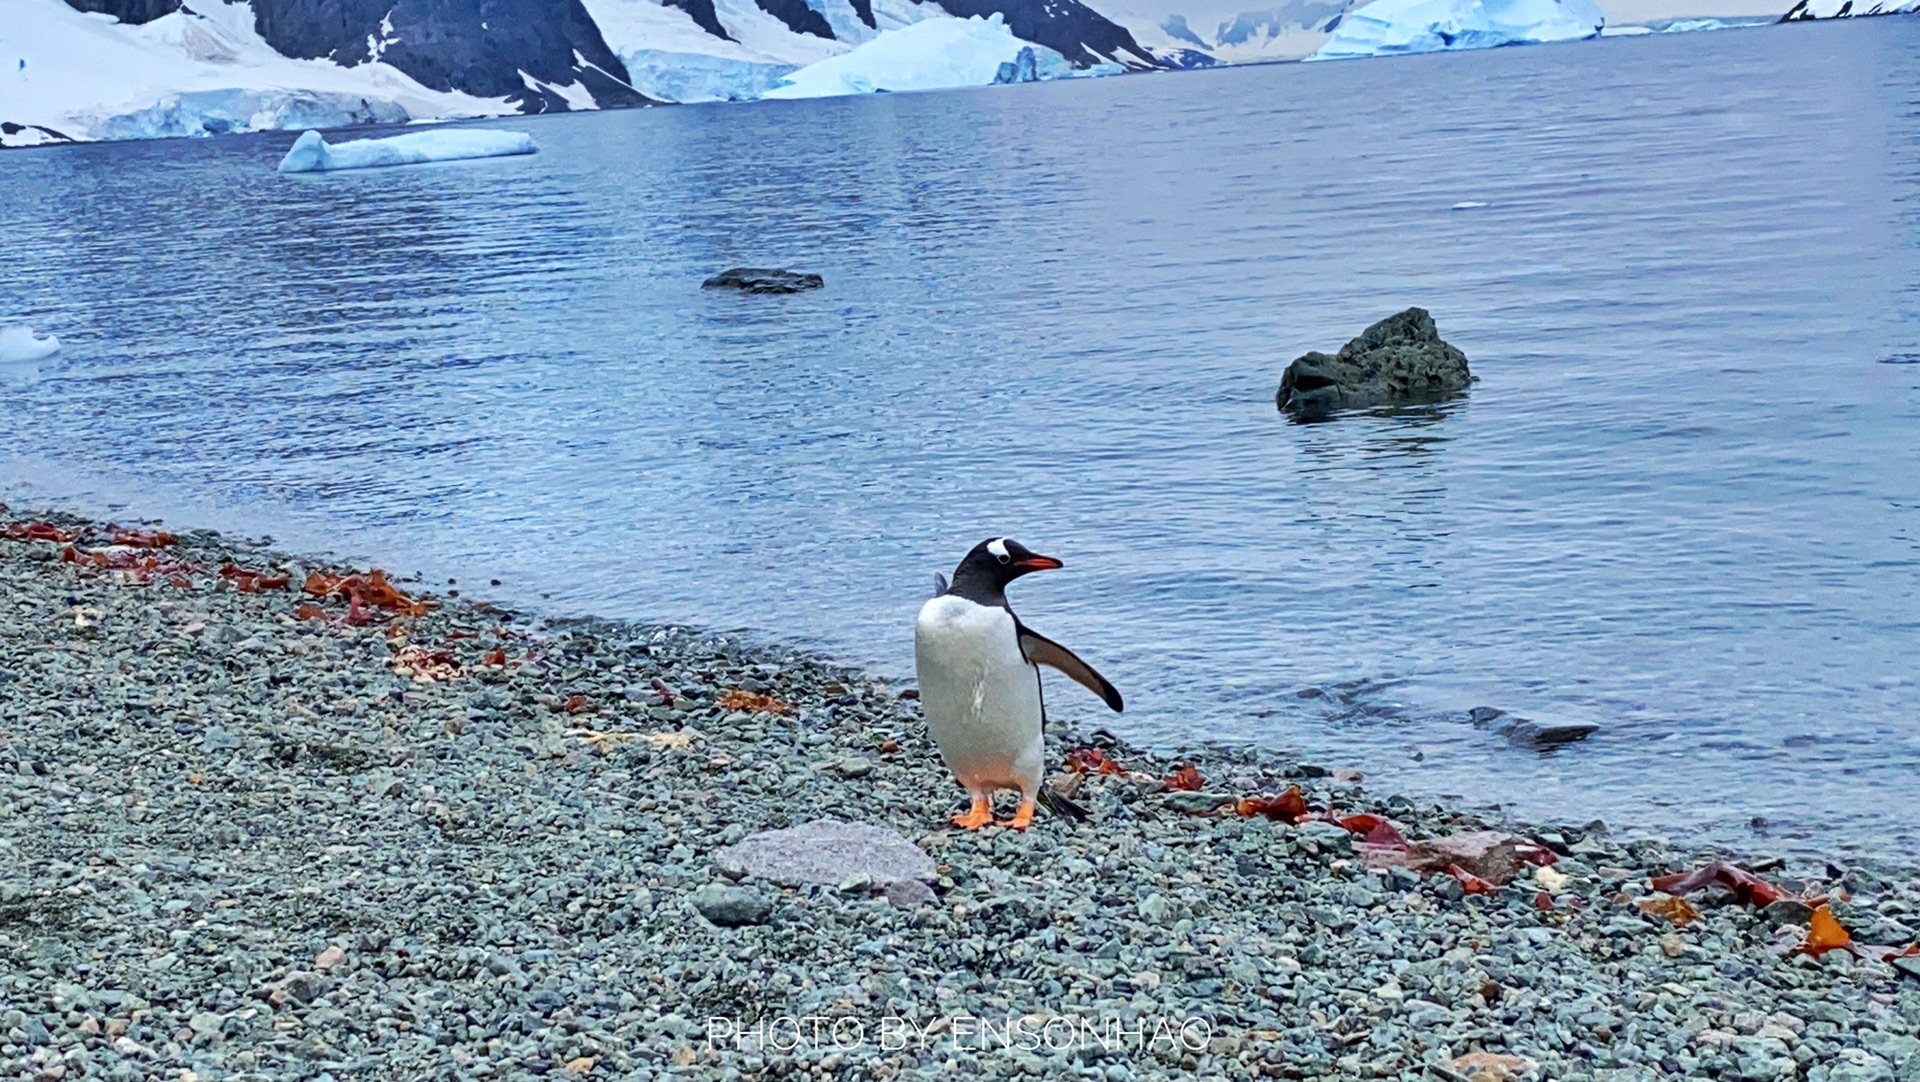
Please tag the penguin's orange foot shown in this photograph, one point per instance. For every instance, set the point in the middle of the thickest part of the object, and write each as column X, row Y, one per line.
column 976, row 817
column 1022, row 816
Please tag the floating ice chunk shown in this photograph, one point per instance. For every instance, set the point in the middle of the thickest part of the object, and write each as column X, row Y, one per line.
column 935, row 54
column 19, row 343
column 1387, row 27
column 1467, row 204
column 1687, row 26
column 1624, row 31
column 311, row 153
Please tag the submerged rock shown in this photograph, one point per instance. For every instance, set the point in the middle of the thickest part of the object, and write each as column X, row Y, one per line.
column 1527, row 732
column 763, row 280
column 825, row 852
column 1399, row 359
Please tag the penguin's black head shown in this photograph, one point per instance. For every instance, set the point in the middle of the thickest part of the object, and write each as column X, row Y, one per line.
column 984, row 573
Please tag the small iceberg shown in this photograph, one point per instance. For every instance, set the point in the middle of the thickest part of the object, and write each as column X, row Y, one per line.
column 934, row 54
column 20, row 344
column 312, row 154
column 1390, row 27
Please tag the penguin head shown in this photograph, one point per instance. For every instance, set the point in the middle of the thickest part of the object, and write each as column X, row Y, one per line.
column 993, row 563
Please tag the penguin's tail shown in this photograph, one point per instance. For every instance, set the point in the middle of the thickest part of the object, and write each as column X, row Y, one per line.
column 1061, row 806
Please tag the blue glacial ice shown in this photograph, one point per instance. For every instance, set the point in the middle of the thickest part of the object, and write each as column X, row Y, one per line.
column 694, row 77
column 1389, row 27
column 1023, row 68
column 935, row 54
column 310, row 153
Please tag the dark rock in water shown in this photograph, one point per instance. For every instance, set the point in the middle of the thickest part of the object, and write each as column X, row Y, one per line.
column 1529, row 733
column 825, row 852
column 762, row 280
column 731, row 907
column 1021, row 69
column 1399, row 359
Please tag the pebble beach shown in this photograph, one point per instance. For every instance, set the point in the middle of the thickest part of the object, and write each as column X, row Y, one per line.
column 262, row 817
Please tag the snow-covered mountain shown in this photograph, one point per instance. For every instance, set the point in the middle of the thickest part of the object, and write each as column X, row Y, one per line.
column 117, row 69
column 104, row 69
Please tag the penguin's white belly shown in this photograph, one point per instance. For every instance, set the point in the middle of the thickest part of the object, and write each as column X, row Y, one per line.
column 980, row 695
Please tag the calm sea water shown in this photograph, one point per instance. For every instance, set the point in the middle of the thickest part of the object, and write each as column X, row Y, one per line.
column 1683, row 500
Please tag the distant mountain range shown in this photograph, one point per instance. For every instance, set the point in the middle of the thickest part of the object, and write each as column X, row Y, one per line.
column 103, row 69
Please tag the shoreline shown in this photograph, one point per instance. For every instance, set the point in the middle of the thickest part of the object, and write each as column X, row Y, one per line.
column 256, row 833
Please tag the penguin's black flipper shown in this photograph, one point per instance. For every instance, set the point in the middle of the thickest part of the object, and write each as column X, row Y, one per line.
column 939, row 584
column 1041, row 650
column 1061, row 806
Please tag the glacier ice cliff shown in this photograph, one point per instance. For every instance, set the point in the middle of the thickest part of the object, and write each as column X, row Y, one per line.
column 1389, row 27
column 934, row 54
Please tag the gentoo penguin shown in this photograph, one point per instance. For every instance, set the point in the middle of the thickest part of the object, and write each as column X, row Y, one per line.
column 980, row 687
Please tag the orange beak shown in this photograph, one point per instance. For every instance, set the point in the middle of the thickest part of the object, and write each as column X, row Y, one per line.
column 1037, row 562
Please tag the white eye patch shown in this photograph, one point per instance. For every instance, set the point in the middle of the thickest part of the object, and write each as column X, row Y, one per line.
column 998, row 546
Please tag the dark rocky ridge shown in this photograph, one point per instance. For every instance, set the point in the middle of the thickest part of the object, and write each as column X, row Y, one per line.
column 136, row 12
column 799, row 18
column 477, row 46
column 703, row 16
